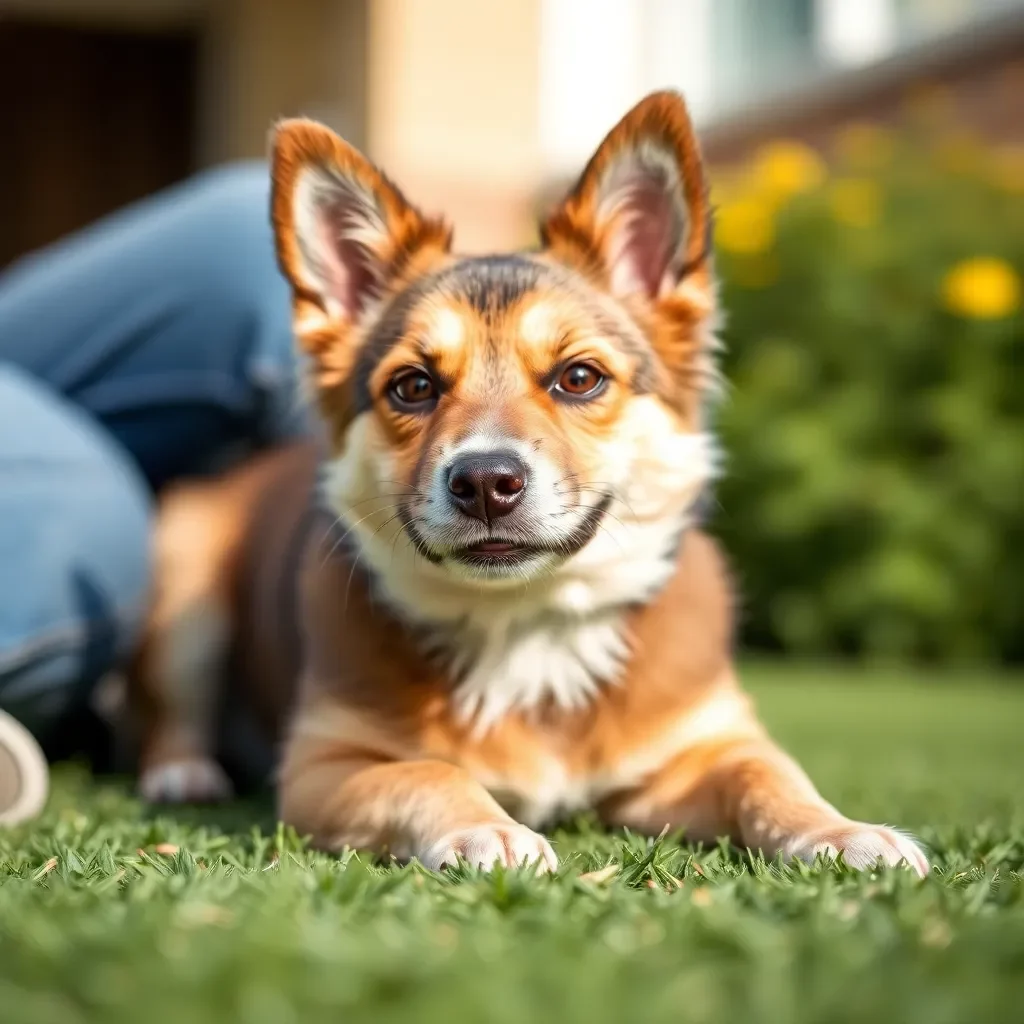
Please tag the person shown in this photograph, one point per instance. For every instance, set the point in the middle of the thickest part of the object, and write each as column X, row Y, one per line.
column 153, row 345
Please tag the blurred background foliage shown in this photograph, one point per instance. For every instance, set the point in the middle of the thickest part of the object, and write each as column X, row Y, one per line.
column 873, row 428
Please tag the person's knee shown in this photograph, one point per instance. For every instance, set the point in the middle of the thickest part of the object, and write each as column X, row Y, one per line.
column 224, row 223
column 74, row 542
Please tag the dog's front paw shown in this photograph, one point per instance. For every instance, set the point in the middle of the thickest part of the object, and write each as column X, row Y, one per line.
column 486, row 845
column 193, row 780
column 862, row 846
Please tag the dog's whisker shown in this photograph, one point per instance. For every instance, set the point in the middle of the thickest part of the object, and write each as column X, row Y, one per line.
column 382, row 497
column 599, row 487
column 351, row 573
column 355, row 561
column 341, row 540
column 569, row 509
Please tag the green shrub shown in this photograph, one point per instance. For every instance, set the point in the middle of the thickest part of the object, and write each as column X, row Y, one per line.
column 873, row 501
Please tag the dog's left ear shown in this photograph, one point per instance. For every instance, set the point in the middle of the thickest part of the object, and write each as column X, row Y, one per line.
column 638, row 220
column 344, row 232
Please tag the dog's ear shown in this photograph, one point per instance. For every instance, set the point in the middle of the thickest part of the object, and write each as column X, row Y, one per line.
column 343, row 231
column 638, row 220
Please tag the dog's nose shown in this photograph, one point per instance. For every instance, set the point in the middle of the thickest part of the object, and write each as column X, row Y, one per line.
column 487, row 486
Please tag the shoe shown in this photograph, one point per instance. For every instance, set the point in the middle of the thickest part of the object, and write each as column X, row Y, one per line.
column 24, row 773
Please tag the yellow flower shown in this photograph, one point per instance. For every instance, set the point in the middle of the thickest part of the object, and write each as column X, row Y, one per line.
column 865, row 145
column 745, row 226
column 856, row 202
column 983, row 288
column 786, row 167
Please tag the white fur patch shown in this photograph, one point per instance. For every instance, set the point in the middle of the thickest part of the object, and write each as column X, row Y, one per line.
column 192, row 780
column 538, row 324
column 562, row 661
column 446, row 329
column 862, row 847
column 511, row 845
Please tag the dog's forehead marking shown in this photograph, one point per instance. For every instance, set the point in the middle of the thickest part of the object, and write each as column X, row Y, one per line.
column 538, row 322
column 445, row 327
column 491, row 284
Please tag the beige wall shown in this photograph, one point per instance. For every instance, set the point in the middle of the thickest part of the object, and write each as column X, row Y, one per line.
column 442, row 93
column 453, row 102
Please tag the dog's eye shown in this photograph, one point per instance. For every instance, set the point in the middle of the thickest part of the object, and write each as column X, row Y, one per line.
column 412, row 388
column 580, row 380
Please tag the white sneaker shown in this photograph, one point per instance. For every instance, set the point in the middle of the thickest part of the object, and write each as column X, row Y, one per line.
column 24, row 773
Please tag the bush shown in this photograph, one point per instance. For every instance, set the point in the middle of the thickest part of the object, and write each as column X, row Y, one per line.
column 873, row 501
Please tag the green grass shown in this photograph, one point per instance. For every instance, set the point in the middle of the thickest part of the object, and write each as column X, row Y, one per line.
column 244, row 924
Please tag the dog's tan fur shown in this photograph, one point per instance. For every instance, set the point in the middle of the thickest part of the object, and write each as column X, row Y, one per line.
column 441, row 710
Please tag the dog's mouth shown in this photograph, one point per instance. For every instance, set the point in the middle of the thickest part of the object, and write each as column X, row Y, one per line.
column 497, row 554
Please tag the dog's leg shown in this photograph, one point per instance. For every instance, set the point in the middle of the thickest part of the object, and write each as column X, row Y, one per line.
column 748, row 789
column 178, row 678
column 431, row 810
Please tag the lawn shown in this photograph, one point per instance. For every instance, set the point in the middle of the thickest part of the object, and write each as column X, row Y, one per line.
column 108, row 913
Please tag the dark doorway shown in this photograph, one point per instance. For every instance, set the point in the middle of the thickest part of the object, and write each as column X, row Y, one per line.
column 92, row 120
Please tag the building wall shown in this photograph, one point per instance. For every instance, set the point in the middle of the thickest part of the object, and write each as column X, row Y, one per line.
column 442, row 93
column 476, row 107
column 266, row 59
column 453, row 100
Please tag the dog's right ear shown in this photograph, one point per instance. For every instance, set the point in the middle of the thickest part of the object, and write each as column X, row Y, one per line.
column 343, row 231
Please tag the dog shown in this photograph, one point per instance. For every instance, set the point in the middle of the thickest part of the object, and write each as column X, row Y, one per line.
column 480, row 599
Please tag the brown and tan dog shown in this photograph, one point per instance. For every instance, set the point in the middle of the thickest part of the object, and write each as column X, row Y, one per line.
column 515, row 616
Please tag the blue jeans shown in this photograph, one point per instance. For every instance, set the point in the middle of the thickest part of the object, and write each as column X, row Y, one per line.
column 153, row 345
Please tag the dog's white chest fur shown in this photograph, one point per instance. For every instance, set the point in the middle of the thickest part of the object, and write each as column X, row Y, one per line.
column 562, row 659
